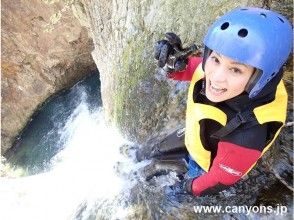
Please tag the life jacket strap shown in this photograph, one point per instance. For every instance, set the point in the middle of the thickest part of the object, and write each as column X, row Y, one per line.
column 234, row 123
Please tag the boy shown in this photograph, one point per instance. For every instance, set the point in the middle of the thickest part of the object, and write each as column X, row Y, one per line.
column 237, row 102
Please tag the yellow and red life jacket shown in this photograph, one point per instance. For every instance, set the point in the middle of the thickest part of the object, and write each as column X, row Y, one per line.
column 274, row 111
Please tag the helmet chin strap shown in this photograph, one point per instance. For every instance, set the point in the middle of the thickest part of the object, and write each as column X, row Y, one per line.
column 206, row 54
column 253, row 80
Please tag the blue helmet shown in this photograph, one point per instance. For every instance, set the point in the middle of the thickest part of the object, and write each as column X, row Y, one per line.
column 254, row 36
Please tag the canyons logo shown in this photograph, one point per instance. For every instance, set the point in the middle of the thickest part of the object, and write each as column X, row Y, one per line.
column 278, row 210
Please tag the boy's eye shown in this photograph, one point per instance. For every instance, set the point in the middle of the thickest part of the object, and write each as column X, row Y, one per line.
column 236, row 70
column 215, row 59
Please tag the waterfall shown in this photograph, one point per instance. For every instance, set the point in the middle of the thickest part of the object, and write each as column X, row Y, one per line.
column 79, row 178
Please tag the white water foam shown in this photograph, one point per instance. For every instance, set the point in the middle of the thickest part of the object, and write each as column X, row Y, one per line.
column 82, row 173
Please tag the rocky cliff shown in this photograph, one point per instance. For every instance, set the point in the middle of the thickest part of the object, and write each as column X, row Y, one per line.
column 44, row 49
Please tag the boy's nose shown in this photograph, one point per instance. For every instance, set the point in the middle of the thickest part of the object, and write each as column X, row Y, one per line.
column 218, row 75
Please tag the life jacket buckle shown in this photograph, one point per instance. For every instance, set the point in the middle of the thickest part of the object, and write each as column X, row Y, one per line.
column 181, row 132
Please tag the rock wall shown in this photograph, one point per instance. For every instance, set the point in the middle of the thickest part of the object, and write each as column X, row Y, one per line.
column 44, row 50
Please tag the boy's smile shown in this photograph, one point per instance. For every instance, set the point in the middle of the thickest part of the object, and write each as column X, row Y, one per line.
column 225, row 78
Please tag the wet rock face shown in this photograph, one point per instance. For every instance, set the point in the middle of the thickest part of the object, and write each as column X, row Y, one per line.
column 285, row 7
column 44, row 49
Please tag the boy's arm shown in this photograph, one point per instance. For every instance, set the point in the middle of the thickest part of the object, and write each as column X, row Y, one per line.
column 230, row 164
column 186, row 75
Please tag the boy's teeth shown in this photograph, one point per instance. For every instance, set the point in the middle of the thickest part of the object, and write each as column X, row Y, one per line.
column 216, row 88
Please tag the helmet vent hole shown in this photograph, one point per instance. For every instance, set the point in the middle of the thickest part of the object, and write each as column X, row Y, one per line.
column 281, row 19
column 263, row 15
column 225, row 25
column 273, row 74
column 244, row 9
column 243, row 32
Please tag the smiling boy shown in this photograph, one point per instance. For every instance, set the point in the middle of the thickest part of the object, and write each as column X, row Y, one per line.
column 225, row 78
column 237, row 102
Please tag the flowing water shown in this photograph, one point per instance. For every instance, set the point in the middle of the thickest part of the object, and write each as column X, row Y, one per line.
column 75, row 167
column 68, row 156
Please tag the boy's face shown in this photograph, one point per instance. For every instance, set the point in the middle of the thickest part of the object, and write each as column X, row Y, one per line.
column 225, row 78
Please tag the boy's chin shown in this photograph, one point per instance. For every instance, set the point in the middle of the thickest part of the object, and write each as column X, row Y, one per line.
column 215, row 100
